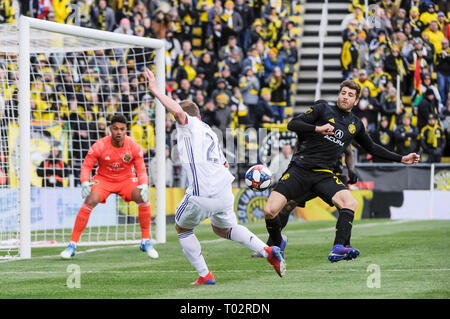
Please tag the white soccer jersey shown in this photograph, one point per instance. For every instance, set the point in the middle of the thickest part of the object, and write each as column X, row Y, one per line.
column 202, row 158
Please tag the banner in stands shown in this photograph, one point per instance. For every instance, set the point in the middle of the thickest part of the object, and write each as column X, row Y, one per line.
column 441, row 178
column 53, row 208
column 393, row 178
column 408, row 204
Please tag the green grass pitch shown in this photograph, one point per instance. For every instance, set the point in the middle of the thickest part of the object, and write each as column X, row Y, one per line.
column 399, row 259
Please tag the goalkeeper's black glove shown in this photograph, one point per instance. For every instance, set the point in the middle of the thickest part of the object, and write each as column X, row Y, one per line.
column 352, row 177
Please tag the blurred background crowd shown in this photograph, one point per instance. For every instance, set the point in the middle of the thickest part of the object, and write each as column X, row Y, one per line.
column 238, row 60
column 409, row 43
column 235, row 59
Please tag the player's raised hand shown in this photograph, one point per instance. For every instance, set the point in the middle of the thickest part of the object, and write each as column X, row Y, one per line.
column 151, row 80
column 411, row 158
column 326, row 129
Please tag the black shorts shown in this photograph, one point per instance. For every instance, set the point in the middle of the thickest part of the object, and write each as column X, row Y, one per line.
column 301, row 185
column 301, row 201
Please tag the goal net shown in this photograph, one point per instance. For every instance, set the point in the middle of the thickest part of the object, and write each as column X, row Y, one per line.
column 60, row 86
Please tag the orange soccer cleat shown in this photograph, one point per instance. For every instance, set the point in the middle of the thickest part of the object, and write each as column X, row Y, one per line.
column 276, row 259
column 207, row 280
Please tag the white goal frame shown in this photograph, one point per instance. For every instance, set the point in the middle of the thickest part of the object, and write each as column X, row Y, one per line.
column 25, row 25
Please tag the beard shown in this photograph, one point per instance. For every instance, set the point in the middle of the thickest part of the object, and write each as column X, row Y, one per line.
column 347, row 107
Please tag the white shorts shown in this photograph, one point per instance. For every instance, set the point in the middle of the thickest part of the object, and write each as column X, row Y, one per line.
column 192, row 210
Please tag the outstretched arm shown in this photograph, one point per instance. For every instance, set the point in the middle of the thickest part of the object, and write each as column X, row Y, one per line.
column 377, row 150
column 171, row 106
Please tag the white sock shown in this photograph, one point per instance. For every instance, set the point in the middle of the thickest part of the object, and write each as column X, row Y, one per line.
column 244, row 236
column 193, row 251
column 73, row 243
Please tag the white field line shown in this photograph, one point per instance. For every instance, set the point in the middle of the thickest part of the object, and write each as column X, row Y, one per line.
column 299, row 231
column 78, row 253
column 223, row 239
column 220, row 271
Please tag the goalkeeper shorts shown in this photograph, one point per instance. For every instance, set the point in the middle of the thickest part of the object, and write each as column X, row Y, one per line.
column 105, row 188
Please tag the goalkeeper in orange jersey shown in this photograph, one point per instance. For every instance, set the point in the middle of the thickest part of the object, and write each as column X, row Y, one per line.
column 116, row 155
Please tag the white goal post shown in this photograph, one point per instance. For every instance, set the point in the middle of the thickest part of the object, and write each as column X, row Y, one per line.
column 27, row 44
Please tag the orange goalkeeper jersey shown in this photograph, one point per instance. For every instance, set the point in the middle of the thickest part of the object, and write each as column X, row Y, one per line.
column 115, row 164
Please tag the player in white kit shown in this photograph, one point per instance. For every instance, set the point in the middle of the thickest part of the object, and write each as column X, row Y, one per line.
column 209, row 194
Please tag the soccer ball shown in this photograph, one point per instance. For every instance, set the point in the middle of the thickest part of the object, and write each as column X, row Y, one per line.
column 258, row 178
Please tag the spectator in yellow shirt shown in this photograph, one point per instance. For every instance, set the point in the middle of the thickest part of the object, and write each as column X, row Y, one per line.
column 428, row 16
column 143, row 132
column 379, row 78
column 350, row 55
column 7, row 14
column 363, row 81
column 62, row 9
column 432, row 137
column 435, row 36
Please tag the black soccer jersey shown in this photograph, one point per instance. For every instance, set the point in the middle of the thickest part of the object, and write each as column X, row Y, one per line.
column 318, row 151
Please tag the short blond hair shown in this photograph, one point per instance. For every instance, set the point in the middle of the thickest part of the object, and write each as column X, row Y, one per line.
column 190, row 108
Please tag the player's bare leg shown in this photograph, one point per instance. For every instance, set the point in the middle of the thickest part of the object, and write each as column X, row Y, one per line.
column 245, row 237
column 145, row 219
column 81, row 222
column 346, row 205
column 192, row 249
column 274, row 205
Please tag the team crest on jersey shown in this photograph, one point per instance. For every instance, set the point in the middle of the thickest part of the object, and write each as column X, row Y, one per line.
column 285, row 176
column 309, row 110
column 352, row 128
column 127, row 158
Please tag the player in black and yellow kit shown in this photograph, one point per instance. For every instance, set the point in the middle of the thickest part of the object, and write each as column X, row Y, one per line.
column 351, row 178
column 284, row 214
column 327, row 131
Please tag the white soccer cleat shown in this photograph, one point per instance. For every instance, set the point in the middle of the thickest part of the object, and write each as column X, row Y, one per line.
column 69, row 252
column 149, row 249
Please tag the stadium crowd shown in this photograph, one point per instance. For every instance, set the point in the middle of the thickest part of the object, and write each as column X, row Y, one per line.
column 408, row 40
column 235, row 59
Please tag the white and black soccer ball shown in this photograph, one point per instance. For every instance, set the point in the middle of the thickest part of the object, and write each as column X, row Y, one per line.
column 258, row 178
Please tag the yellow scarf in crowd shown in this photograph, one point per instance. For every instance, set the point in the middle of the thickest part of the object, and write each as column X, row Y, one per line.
column 433, row 135
column 407, row 141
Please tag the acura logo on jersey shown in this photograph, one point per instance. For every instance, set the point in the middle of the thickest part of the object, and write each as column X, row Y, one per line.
column 336, row 138
column 338, row 134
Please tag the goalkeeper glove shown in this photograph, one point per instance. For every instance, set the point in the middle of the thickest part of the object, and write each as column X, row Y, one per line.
column 144, row 192
column 85, row 189
column 352, row 177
